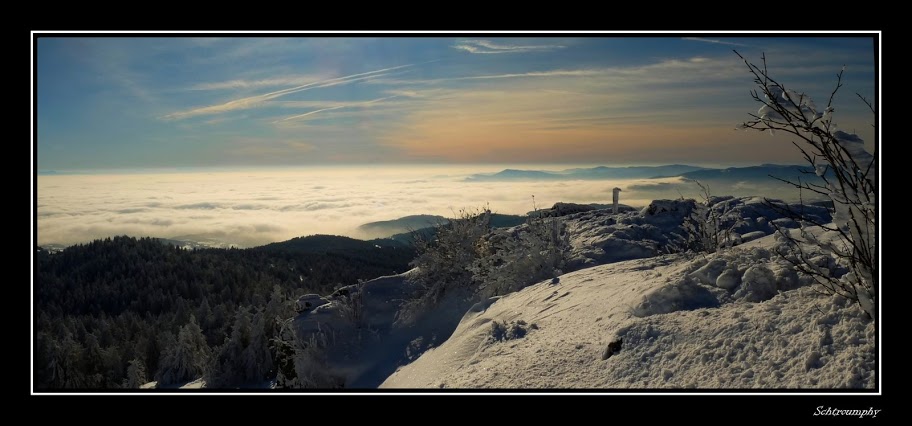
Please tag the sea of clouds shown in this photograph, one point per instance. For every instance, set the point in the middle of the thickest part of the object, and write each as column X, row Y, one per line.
column 254, row 207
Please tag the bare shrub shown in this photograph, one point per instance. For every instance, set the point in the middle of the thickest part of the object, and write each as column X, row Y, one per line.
column 846, row 174
column 443, row 260
column 708, row 228
column 511, row 259
column 466, row 255
column 351, row 304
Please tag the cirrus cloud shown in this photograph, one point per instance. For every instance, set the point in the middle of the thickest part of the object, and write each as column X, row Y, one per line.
column 489, row 47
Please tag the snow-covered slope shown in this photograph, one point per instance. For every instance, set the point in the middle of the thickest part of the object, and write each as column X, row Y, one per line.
column 361, row 343
column 735, row 319
column 626, row 316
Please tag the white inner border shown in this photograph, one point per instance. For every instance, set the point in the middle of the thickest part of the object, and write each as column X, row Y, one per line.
column 772, row 392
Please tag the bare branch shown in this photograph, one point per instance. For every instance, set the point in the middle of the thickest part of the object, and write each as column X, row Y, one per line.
column 843, row 179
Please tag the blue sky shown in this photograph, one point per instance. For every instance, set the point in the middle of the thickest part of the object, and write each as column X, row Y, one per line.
column 147, row 102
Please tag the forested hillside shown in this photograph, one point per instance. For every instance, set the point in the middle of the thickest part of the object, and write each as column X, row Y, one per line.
column 119, row 311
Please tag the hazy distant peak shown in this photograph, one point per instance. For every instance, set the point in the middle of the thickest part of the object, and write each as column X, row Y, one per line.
column 591, row 173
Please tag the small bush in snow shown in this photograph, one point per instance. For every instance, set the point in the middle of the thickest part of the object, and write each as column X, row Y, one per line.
column 502, row 330
column 351, row 304
column 443, row 261
column 513, row 258
column 467, row 255
column 846, row 175
column 708, row 228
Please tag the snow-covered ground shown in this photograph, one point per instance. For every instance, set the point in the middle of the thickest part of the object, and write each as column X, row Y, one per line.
column 626, row 316
column 659, row 322
column 193, row 384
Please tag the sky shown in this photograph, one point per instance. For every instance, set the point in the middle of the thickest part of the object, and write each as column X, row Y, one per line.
column 174, row 102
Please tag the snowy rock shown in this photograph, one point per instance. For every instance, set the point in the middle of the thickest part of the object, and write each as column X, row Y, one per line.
column 784, row 222
column 381, row 299
column 564, row 209
column 668, row 212
column 750, row 236
column 620, row 248
column 600, row 237
column 682, row 296
column 309, row 302
column 785, row 276
column 728, row 279
column 612, row 348
column 709, row 273
column 759, row 253
column 757, row 284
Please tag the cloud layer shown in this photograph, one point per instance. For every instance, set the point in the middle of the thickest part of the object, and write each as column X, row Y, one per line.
column 255, row 207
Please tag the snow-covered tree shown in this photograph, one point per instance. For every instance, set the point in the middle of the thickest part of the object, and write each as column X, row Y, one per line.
column 846, row 174
column 227, row 366
column 247, row 356
column 256, row 358
column 187, row 359
column 302, row 361
column 64, row 364
column 136, row 374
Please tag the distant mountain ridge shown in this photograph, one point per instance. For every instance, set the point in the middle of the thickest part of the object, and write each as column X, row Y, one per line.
column 386, row 228
column 762, row 171
column 332, row 244
column 396, row 228
column 594, row 173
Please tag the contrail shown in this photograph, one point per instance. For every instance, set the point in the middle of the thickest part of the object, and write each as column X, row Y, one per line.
column 277, row 93
column 248, row 102
column 335, row 107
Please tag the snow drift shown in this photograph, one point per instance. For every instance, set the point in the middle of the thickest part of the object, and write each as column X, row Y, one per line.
column 629, row 315
column 659, row 323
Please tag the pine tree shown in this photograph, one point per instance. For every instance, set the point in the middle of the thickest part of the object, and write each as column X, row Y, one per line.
column 257, row 360
column 136, row 374
column 187, row 359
